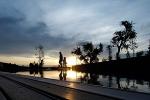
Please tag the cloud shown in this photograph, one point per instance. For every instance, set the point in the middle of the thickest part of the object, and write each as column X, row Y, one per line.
column 18, row 38
column 59, row 24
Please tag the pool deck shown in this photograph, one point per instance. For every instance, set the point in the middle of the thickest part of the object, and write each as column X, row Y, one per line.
column 35, row 88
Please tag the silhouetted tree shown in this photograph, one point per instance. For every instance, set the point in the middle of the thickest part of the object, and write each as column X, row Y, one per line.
column 123, row 38
column 139, row 54
column 149, row 50
column 133, row 46
column 109, row 48
column 127, row 50
column 40, row 56
column 88, row 53
column 36, row 68
column 41, row 64
column 103, row 59
column 33, row 68
column 148, row 53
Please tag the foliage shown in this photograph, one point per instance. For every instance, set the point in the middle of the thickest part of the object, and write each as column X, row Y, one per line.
column 125, row 38
column 109, row 48
column 88, row 53
column 139, row 54
column 148, row 53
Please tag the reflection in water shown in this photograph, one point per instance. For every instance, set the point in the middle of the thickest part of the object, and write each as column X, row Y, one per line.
column 118, row 82
column 110, row 81
column 63, row 74
column 68, row 75
column 37, row 72
column 85, row 78
column 92, row 78
column 41, row 73
column 71, row 75
column 134, row 85
column 60, row 76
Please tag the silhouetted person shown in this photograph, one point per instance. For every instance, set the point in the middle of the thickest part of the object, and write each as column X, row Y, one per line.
column 64, row 62
column 60, row 59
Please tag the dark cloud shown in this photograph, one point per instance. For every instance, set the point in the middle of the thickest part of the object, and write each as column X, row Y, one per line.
column 17, row 38
column 59, row 25
column 8, row 20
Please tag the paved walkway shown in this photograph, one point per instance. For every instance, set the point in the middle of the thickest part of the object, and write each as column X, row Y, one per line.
column 22, row 88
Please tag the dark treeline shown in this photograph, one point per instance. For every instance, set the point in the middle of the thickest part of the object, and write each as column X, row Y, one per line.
column 13, row 68
column 137, row 67
column 34, row 68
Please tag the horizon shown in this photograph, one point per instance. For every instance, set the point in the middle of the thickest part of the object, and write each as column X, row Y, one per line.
column 60, row 25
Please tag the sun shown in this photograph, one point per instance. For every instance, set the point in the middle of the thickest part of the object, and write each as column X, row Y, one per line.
column 71, row 61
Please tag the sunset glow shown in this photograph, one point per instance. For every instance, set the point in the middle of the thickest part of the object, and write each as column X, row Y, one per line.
column 71, row 74
column 71, row 61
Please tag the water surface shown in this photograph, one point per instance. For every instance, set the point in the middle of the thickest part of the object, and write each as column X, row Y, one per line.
column 96, row 79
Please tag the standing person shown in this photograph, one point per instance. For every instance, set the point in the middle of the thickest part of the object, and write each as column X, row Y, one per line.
column 60, row 59
column 64, row 62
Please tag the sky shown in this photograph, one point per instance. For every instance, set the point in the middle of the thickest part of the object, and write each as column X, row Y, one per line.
column 59, row 25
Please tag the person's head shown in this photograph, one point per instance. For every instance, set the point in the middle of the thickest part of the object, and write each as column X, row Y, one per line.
column 64, row 58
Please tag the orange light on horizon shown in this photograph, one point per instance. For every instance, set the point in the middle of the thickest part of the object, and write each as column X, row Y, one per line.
column 71, row 61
